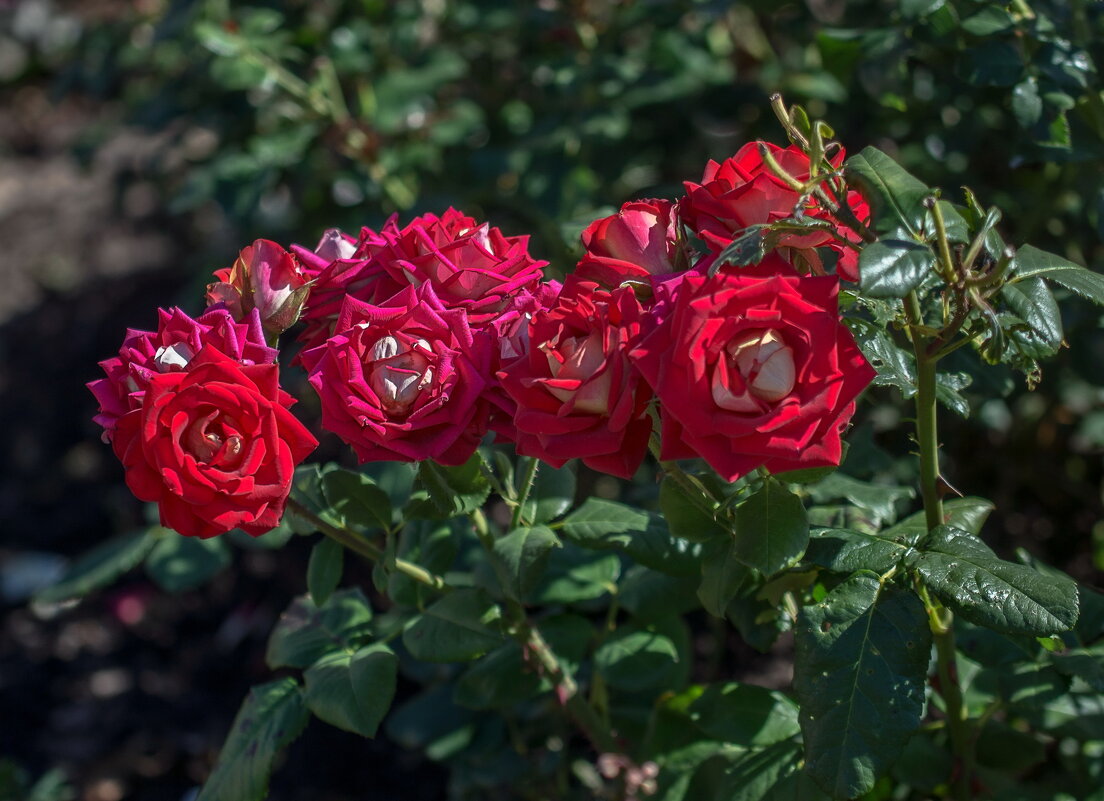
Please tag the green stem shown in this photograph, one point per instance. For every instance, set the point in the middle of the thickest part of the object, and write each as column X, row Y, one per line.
column 524, row 489
column 354, row 542
column 946, row 263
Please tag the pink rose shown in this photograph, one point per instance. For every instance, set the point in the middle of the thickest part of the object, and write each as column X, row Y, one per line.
column 264, row 277
column 215, row 447
column 752, row 371
column 470, row 265
column 742, row 191
column 403, row 381
column 636, row 242
column 576, row 391
column 170, row 349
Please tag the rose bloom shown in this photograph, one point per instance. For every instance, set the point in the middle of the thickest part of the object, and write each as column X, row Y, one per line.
column 340, row 267
column 404, row 381
column 171, row 348
column 577, row 393
column 752, row 370
column 742, row 191
column 470, row 265
column 214, row 446
column 264, row 277
column 631, row 245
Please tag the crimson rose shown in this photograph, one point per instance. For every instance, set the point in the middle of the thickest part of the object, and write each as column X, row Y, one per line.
column 576, row 391
column 264, row 277
column 636, row 242
column 213, row 446
column 752, row 371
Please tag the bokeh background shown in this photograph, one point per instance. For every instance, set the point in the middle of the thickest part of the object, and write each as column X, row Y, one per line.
column 143, row 142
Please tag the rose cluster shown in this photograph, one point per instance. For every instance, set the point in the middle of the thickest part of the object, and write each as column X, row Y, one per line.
column 421, row 339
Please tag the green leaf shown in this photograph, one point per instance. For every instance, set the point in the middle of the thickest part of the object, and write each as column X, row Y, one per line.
column 218, row 39
column 634, row 659
column 745, row 715
column 306, row 632
column 986, row 590
column 327, row 561
column 739, row 775
column 879, row 499
column 968, row 514
column 271, row 717
column 356, row 500
column 102, row 565
column 1033, row 303
column 992, row 63
column 896, row 367
column 602, row 525
column 353, row 691
column 947, row 386
column 1027, row 106
column 431, row 721
column 896, row 198
column 647, row 594
column 771, row 529
column 746, row 249
column 891, row 268
column 860, row 668
column 460, row 626
column 685, row 517
column 845, row 551
column 1086, row 664
column 575, row 574
column 524, row 553
column 1030, row 261
column 724, row 575
column 178, row 563
column 432, row 544
column 988, row 21
column 552, row 494
column 455, row 490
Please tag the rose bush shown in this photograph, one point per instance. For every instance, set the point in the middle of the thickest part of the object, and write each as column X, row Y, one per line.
column 752, row 370
column 214, row 446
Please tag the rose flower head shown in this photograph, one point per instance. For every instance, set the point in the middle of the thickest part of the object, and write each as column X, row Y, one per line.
column 637, row 242
column 577, row 393
column 403, row 381
column 214, row 446
column 264, row 277
column 470, row 265
column 171, row 348
column 742, row 191
column 752, row 371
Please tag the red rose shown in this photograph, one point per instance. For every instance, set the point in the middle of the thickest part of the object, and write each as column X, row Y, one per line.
column 170, row 348
column 341, row 267
column 576, row 391
column 636, row 242
column 264, row 277
column 742, row 191
column 752, row 371
column 404, row 381
column 470, row 265
column 215, row 446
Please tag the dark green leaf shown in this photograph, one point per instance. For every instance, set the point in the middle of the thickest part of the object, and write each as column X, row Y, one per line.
column 270, row 718
column 432, row 544
column 551, row 495
column 1026, row 103
column 916, row 9
column 634, row 659
column 724, row 575
column 602, row 524
column 746, row 249
column 892, row 268
column 896, row 198
column 947, row 386
column 992, row 63
column 394, row 478
column 686, row 517
column 745, row 715
column 431, row 721
column 327, row 560
column 179, row 563
column 845, row 551
column 968, row 514
column 861, row 665
column 771, row 529
column 988, row 21
column 739, row 775
column 648, row 594
column 988, row 591
column 353, row 691
column 1030, row 261
column 1086, row 664
column 524, row 553
column 102, row 565
column 455, row 490
column 460, row 626
column 575, row 574
column 499, row 680
column 307, row 632
column 880, row 500
column 1033, row 303
column 356, row 500
column 896, row 367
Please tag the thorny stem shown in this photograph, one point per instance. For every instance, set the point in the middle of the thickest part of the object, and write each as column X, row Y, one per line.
column 354, row 542
column 946, row 263
column 524, row 489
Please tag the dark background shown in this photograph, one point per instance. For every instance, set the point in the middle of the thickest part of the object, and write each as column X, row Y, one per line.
column 143, row 143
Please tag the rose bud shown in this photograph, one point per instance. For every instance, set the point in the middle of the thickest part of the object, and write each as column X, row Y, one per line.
column 214, row 446
column 171, row 348
column 577, row 393
column 742, row 191
column 633, row 244
column 264, row 277
column 752, row 371
column 405, row 381
column 470, row 265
